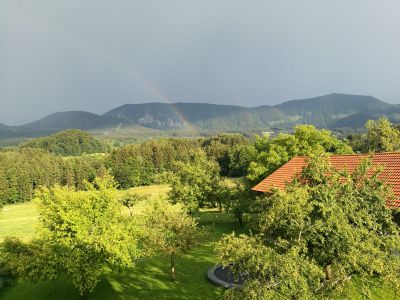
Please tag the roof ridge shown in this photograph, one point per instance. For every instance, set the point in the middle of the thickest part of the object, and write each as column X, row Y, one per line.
column 356, row 154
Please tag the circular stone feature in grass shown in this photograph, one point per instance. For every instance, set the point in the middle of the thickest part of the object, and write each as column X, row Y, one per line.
column 224, row 277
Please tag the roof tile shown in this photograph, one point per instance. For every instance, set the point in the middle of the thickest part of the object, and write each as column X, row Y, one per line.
column 390, row 162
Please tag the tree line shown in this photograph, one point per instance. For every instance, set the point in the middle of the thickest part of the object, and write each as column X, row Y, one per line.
column 24, row 169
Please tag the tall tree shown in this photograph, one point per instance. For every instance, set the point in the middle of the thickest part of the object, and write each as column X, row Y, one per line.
column 193, row 183
column 168, row 229
column 382, row 136
column 80, row 234
column 240, row 157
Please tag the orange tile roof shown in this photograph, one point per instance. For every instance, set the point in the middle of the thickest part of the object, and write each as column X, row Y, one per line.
column 389, row 161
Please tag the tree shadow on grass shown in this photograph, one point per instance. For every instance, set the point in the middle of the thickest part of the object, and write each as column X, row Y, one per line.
column 150, row 278
column 61, row 288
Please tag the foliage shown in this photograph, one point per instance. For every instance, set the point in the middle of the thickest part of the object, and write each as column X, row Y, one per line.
column 240, row 157
column 317, row 235
column 130, row 199
column 218, row 149
column 24, row 170
column 381, row 136
column 242, row 199
column 168, row 229
column 80, row 233
column 272, row 275
column 195, row 182
column 141, row 164
column 272, row 153
column 135, row 165
column 71, row 142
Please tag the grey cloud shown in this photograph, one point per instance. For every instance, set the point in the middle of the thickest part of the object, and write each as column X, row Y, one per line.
column 94, row 55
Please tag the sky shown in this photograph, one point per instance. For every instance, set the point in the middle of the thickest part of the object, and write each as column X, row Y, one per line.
column 95, row 55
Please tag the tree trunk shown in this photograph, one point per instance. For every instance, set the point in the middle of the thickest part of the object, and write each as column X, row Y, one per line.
column 173, row 267
column 240, row 218
column 220, row 206
column 328, row 272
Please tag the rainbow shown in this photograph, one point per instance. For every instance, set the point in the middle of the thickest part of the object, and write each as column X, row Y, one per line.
column 107, row 55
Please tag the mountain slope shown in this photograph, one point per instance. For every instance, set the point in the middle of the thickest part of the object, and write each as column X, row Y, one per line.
column 201, row 115
column 5, row 131
column 74, row 120
column 332, row 111
column 325, row 110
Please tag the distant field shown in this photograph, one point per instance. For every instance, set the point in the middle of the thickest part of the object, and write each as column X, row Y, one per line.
column 19, row 219
column 152, row 190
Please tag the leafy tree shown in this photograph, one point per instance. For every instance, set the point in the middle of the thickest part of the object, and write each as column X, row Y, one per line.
column 306, row 140
column 194, row 183
column 240, row 157
column 80, row 233
column 242, row 199
column 221, row 195
column 317, row 235
column 3, row 188
column 380, row 136
column 131, row 199
column 217, row 148
column 168, row 229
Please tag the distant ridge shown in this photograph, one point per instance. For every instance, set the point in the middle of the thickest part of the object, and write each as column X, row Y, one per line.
column 333, row 111
column 324, row 111
column 202, row 115
column 74, row 120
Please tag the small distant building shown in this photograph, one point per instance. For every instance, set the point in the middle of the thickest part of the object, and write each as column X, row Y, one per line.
column 293, row 168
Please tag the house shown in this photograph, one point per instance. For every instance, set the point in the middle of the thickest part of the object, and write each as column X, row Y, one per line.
column 293, row 168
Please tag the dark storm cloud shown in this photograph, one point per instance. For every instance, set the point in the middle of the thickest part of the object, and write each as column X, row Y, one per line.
column 94, row 55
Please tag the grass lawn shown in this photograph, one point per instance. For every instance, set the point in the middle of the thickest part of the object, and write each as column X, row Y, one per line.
column 18, row 220
column 152, row 190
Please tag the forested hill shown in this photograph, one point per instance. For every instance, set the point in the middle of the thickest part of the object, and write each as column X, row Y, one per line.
column 68, row 143
column 326, row 111
column 74, row 119
column 334, row 111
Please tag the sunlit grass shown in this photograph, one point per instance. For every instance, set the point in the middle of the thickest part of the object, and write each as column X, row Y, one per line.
column 18, row 220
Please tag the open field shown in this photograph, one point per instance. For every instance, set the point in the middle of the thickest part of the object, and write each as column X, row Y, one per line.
column 149, row 279
column 19, row 219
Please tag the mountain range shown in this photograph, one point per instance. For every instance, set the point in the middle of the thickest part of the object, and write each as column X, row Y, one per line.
column 333, row 111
